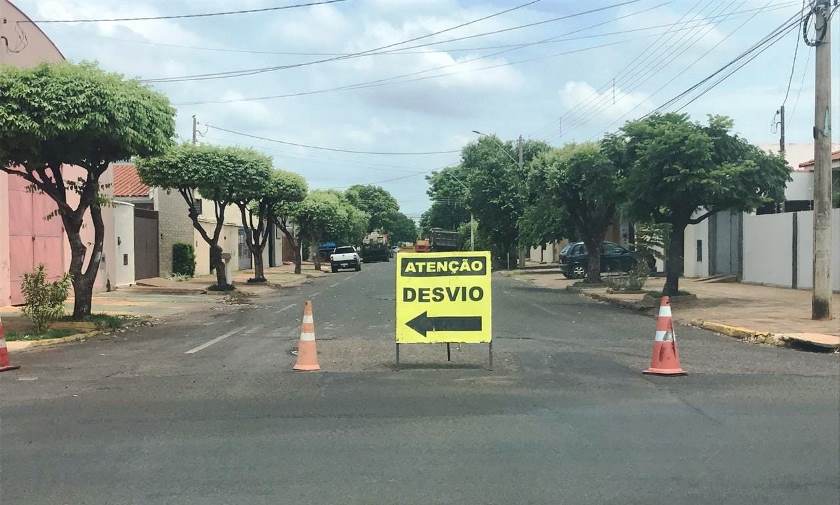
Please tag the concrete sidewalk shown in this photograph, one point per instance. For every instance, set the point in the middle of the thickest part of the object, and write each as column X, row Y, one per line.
column 746, row 311
column 158, row 299
column 278, row 277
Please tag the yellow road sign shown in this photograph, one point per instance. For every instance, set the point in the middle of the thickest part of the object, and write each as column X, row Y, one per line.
column 444, row 297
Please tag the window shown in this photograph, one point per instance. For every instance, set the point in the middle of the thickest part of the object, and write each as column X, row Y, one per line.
column 610, row 248
column 198, row 205
column 699, row 250
column 579, row 250
column 344, row 250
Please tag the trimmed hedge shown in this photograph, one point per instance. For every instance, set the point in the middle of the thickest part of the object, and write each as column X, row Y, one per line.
column 183, row 259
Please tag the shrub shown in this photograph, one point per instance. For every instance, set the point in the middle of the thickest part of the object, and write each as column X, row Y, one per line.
column 634, row 280
column 183, row 259
column 44, row 300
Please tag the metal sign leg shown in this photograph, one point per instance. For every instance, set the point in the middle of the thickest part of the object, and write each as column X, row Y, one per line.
column 398, row 356
column 448, row 353
column 490, row 348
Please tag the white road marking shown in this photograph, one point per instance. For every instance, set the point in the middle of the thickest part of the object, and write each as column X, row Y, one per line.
column 287, row 307
column 315, row 294
column 349, row 277
column 334, row 285
column 544, row 309
column 253, row 330
column 215, row 340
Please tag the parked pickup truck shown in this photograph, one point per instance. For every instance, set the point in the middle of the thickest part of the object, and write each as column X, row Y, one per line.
column 345, row 257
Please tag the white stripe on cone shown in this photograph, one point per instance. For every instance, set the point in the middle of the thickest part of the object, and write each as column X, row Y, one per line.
column 307, row 318
column 665, row 311
column 660, row 336
column 307, row 336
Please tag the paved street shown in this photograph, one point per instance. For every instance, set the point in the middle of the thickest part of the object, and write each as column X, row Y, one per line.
column 208, row 411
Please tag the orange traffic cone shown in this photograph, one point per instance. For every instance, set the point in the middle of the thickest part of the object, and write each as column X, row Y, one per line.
column 4, row 353
column 666, row 358
column 307, row 358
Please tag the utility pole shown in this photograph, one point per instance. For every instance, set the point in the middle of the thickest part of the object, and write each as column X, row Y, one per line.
column 472, row 231
column 195, row 130
column 782, row 130
column 821, row 297
column 523, row 250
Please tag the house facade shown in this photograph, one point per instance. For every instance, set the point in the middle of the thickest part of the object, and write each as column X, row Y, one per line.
column 161, row 220
column 772, row 246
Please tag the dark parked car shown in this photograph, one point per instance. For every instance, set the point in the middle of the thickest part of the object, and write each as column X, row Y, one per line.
column 574, row 259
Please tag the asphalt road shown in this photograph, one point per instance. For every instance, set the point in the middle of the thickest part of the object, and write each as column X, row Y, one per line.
column 565, row 417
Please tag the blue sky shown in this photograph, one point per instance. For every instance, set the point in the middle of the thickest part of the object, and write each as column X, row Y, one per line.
column 439, row 112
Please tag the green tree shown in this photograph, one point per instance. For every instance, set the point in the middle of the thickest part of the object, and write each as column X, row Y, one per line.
column 320, row 216
column 583, row 186
column 496, row 188
column 66, row 114
column 257, row 204
column 678, row 169
column 403, row 230
column 376, row 202
column 220, row 174
column 450, row 201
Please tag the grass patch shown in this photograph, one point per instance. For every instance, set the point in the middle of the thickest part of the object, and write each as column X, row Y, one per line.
column 31, row 335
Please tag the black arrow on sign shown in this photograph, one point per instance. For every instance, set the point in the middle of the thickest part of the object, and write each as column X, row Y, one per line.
column 423, row 324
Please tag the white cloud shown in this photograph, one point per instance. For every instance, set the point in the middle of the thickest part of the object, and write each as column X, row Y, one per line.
column 577, row 94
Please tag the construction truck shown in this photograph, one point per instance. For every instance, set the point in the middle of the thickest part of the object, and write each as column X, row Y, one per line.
column 375, row 247
column 443, row 240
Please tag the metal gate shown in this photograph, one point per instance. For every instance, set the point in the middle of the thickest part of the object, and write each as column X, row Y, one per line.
column 33, row 239
column 725, row 243
column 146, row 237
column 245, row 262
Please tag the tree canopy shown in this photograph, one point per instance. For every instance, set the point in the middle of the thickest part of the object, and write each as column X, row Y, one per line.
column 580, row 187
column 496, row 187
column 676, row 168
column 378, row 203
column 225, row 175
column 403, row 229
column 76, row 114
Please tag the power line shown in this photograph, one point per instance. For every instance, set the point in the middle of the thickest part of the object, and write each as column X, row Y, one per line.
column 795, row 51
column 746, row 56
column 336, row 163
column 334, row 149
column 651, row 49
column 184, row 16
column 639, row 72
column 408, row 50
column 686, row 68
column 261, row 70
column 386, row 80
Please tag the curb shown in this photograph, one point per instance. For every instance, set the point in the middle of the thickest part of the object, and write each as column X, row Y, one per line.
column 739, row 332
column 19, row 345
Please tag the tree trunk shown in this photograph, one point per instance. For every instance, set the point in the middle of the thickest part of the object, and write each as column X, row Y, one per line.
column 219, row 265
column 313, row 251
column 593, row 258
column 83, row 278
column 298, row 259
column 675, row 263
column 259, row 268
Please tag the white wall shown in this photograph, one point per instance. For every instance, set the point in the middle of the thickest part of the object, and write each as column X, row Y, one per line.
column 768, row 242
column 692, row 267
column 801, row 187
column 768, row 254
column 121, row 245
column 805, row 248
